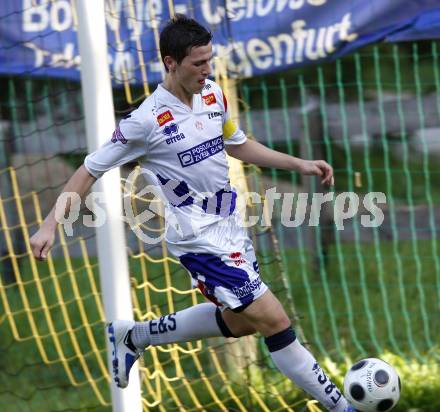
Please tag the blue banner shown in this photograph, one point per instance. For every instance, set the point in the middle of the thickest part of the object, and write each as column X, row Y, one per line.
column 38, row 37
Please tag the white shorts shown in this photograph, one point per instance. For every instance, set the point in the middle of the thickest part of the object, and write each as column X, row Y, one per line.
column 222, row 263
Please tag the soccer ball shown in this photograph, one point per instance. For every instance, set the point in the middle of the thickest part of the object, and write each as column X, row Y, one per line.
column 372, row 385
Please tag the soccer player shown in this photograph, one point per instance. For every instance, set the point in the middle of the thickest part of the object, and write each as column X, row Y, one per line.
column 181, row 134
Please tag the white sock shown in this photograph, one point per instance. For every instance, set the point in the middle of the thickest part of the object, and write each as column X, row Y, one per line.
column 298, row 364
column 200, row 321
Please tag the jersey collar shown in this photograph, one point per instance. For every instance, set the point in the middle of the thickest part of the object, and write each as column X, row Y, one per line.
column 168, row 99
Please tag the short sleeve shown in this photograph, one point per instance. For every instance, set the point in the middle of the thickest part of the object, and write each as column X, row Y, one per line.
column 232, row 134
column 128, row 143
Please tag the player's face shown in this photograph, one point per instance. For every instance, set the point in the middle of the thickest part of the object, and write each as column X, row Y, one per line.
column 192, row 72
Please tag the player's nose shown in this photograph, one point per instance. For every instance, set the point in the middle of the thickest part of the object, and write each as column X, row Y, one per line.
column 207, row 69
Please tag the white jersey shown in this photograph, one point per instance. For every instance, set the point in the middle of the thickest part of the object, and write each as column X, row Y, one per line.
column 185, row 150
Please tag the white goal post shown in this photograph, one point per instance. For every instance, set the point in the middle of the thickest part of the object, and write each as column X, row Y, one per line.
column 111, row 242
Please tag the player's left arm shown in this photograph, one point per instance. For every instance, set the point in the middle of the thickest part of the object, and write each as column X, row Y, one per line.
column 250, row 151
column 253, row 152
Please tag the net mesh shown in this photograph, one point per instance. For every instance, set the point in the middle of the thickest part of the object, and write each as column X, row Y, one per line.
column 352, row 293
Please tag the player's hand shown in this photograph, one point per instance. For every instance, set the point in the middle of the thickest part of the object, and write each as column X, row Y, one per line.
column 42, row 241
column 318, row 168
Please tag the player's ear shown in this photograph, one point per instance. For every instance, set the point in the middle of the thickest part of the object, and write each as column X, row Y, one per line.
column 170, row 63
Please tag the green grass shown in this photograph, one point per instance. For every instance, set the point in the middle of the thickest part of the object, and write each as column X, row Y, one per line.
column 361, row 280
column 27, row 384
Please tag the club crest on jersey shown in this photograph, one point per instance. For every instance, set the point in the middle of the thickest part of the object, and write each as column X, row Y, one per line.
column 164, row 118
column 172, row 131
column 209, row 99
column 117, row 135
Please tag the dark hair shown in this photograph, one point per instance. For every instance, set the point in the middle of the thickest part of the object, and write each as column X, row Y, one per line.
column 180, row 35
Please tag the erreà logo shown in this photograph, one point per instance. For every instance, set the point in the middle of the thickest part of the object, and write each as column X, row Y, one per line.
column 209, row 99
column 164, row 117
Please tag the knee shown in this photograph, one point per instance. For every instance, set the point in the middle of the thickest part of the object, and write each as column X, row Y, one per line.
column 283, row 322
column 267, row 315
column 278, row 322
column 272, row 323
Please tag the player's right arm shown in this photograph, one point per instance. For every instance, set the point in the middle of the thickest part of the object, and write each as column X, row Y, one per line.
column 129, row 142
column 42, row 241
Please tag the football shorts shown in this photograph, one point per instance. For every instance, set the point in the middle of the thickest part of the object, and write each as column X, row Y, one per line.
column 222, row 263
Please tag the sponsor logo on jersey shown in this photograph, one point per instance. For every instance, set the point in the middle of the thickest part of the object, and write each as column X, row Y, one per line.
column 209, row 99
column 237, row 258
column 172, row 131
column 207, row 86
column 201, row 152
column 164, row 118
column 213, row 115
column 117, row 135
